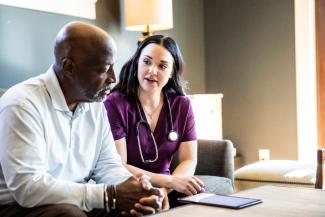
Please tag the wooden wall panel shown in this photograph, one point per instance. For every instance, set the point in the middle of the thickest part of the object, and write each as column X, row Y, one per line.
column 320, row 40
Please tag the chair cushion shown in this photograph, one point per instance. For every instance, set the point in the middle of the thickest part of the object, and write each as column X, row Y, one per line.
column 278, row 171
column 217, row 185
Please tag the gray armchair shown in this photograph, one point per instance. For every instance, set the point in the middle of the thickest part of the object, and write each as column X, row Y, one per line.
column 215, row 165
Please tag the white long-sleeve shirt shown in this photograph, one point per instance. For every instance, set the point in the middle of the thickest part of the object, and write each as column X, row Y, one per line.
column 48, row 153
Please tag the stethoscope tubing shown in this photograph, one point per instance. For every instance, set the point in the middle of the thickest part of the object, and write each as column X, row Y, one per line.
column 172, row 135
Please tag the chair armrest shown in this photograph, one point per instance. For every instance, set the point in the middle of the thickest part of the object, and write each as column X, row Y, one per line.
column 215, row 158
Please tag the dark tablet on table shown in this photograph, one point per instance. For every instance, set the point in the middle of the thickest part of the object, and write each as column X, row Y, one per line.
column 226, row 201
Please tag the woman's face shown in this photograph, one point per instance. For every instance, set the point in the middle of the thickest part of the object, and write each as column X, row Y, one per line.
column 154, row 68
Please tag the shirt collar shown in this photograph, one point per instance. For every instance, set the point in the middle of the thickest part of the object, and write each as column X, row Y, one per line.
column 54, row 89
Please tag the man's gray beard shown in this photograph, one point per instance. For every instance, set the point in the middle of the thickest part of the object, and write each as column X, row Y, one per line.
column 99, row 98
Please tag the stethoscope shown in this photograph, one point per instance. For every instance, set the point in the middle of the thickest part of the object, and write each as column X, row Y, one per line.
column 172, row 135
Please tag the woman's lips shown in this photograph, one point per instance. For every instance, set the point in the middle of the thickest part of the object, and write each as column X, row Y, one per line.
column 150, row 80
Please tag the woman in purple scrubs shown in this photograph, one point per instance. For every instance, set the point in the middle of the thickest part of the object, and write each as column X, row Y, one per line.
column 151, row 118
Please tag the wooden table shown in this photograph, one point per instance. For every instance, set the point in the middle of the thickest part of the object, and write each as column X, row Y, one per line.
column 278, row 201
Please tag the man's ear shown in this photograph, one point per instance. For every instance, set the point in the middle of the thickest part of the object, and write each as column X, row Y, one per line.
column 67, row 66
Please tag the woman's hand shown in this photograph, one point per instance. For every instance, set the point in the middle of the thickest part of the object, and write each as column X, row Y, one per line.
column 188, row 185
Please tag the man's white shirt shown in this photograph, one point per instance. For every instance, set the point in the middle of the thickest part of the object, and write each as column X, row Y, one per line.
column 48, row 153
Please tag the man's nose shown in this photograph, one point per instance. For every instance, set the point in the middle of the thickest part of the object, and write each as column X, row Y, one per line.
column 111, row 76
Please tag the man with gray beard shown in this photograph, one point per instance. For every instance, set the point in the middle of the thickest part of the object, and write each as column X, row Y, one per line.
column 55, row 138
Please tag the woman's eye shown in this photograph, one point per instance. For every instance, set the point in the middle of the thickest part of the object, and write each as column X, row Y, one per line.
column 163, row 66
column 146, row 61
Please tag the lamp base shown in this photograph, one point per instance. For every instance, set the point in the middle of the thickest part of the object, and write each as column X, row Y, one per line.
column 144, row 36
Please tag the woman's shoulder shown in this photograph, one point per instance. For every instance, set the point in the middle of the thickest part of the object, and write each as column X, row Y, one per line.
column 179, row 99
column 116, row 95
column 117, row 98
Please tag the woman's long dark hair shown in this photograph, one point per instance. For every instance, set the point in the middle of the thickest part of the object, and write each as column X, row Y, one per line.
column 128, row 79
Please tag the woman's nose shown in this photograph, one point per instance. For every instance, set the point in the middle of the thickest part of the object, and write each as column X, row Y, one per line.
column 153, row 70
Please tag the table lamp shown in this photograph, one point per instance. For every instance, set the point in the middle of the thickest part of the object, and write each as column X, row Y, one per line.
column 148, row 16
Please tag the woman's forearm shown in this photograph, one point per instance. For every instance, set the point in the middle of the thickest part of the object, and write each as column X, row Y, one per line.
column 181, row 180
column 158, row 180
column 185, row 168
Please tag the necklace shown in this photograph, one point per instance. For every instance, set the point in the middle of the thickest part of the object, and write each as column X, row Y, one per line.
column 150, row 115
column 153, row 108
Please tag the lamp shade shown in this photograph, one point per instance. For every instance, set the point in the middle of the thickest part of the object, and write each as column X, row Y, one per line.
column 155, row 14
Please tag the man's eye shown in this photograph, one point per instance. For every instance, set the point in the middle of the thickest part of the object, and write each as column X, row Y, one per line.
column 107, row 67
column 104, row 69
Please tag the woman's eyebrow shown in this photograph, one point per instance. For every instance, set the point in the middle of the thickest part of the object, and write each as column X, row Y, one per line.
column 148, row 56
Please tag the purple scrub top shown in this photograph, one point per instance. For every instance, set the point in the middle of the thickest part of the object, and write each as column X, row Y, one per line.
column 123, row 116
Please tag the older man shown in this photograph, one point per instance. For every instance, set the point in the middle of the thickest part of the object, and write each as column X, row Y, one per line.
column 55, row 137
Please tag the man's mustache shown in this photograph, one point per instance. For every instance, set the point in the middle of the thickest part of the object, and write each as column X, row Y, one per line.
column 105, row 89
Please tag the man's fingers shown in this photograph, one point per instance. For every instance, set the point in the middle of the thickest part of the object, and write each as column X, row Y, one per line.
column 152, row 201
column 123, row 213
column 144, row 210
column 156, row 191
column 133, row 212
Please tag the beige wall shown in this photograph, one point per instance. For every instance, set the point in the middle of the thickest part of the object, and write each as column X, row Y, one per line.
column 250, row 59
column 27, row 37
column 189, row 33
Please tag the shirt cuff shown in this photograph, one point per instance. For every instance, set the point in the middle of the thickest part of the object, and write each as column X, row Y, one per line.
column 94, row 196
